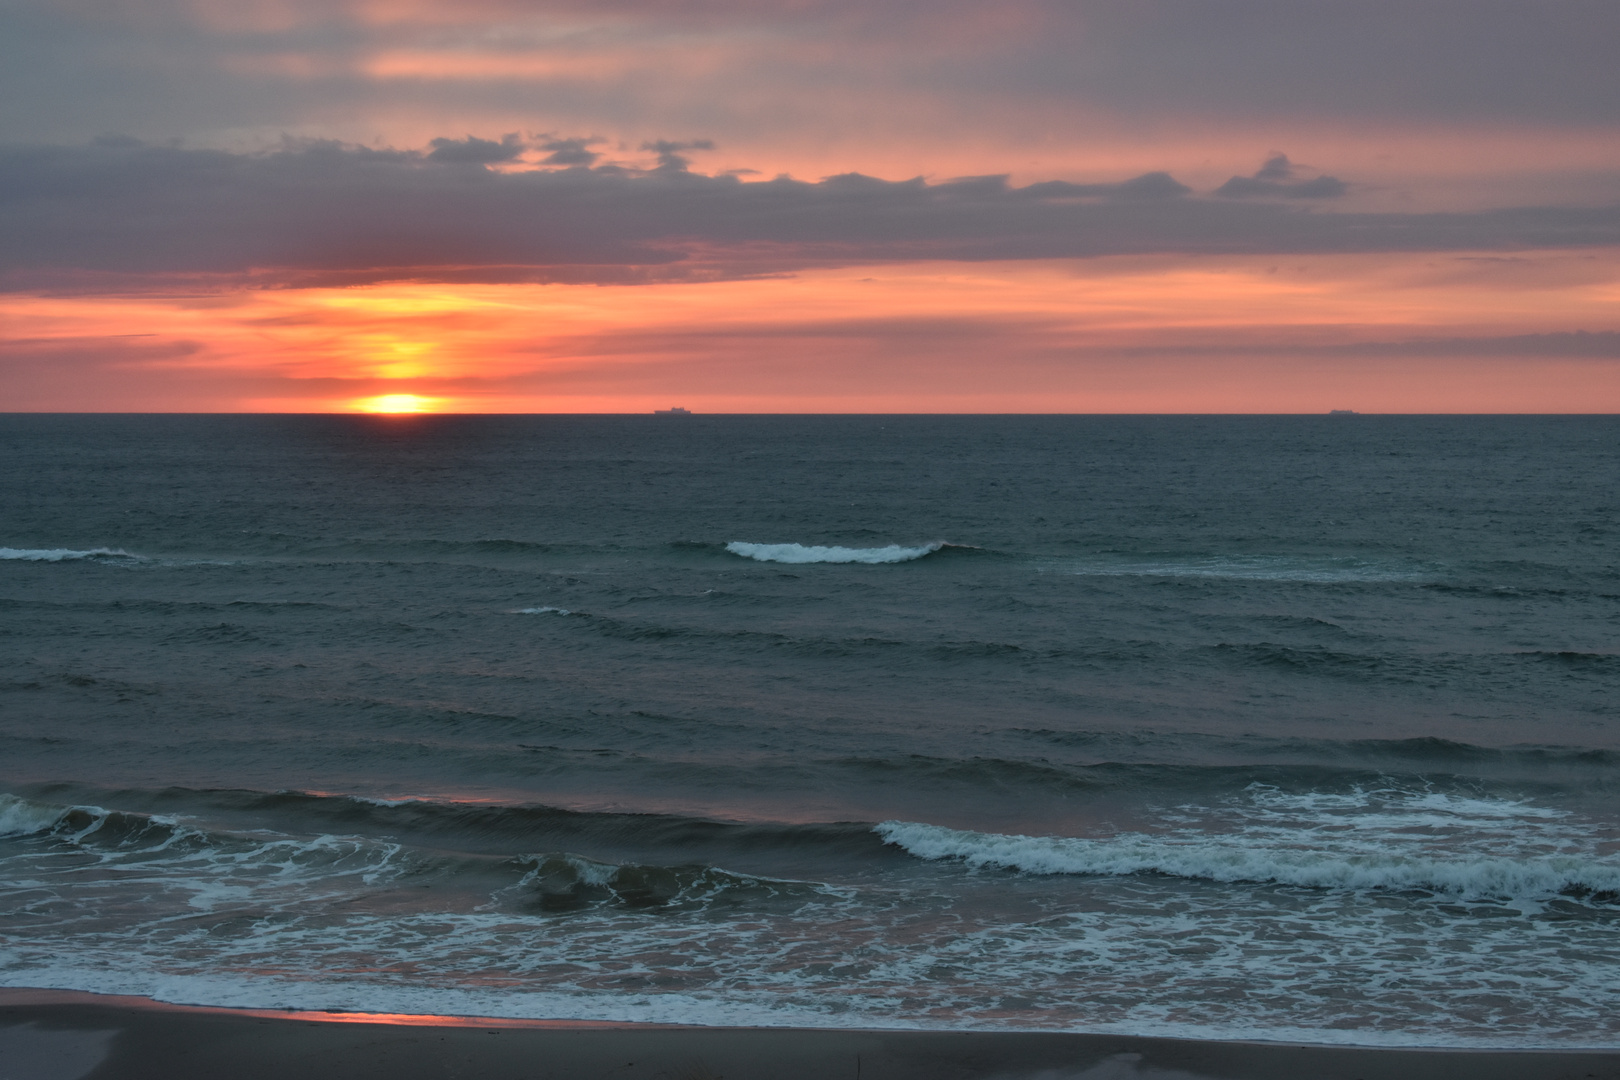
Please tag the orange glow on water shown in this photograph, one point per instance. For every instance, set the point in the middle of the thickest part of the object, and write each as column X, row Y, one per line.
column 27, row 996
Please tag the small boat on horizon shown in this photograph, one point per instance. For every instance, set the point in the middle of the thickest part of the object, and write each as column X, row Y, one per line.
column 674, row 410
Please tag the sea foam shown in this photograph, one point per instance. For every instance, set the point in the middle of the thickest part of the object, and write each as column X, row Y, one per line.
column 1230, row 859
column 62, row 554
column 20, row 817
column 801, row 553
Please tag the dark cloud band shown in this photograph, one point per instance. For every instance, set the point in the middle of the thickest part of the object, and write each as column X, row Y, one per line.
column 118, row 212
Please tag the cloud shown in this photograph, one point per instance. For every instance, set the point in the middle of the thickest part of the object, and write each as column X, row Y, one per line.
column 1488, row 101
column 1279, row 178
column 115, row 213
column 476, row 151
column 569, row 152
column 669, row 154
column 1153, row 185
column 126, row 372
column 1240, row 342
column 1576, row 344
column 163, row 68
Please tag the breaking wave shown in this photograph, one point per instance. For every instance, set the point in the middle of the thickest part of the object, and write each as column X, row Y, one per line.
column 203, row 867
column 21, row 817
column 801, row 553
column 563, row 881
column 468, row 828
column 1234, row 858
column 62, row 554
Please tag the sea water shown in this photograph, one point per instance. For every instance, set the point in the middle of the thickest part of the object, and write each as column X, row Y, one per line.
column 1277, row 728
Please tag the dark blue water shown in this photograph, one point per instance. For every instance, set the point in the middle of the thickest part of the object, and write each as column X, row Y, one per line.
column 1297, row 728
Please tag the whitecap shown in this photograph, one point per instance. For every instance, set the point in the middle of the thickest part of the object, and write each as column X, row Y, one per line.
column 20, row 817
column 802, row 553
column 62, row 554
column 1234, row 858
column 541, row 611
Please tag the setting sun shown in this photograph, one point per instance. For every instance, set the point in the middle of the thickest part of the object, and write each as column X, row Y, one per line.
column 396, row 403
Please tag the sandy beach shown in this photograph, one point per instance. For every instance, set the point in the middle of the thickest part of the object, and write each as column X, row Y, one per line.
column 58, row 1035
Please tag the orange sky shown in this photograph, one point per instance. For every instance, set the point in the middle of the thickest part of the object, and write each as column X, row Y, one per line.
column 165, row 225
column 1170, row 334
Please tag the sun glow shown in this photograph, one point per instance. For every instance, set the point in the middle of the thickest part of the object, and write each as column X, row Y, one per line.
column 1127, row 334
column 396, row 403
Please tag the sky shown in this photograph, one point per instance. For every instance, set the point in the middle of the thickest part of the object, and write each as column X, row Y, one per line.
column 1090, row 206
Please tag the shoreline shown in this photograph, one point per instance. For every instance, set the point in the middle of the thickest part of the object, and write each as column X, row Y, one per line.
column 76, row 1035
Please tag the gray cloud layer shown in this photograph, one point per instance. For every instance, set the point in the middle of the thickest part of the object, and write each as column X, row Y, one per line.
column 171, row 67
column 117, row 211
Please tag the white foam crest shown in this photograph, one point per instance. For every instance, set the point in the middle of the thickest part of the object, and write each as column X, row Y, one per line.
column 403, row 800
column 1233, row 859
column 62, row 554
column 590, row 871
column 251, row 930
column 212, row 867
column 1402, row 807
column 20, row 817
column 801, row 553
column 541, row 611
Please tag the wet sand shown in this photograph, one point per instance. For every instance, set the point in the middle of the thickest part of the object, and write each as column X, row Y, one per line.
column 58, row 1035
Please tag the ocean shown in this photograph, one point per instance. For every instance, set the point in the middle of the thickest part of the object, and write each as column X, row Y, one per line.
column 1284, row 728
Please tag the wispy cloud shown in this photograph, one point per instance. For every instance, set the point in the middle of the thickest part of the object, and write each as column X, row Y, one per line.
column 1212, row 333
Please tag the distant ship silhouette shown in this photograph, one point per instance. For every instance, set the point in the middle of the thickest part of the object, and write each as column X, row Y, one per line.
column 675, row 410
column 1343, row 412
